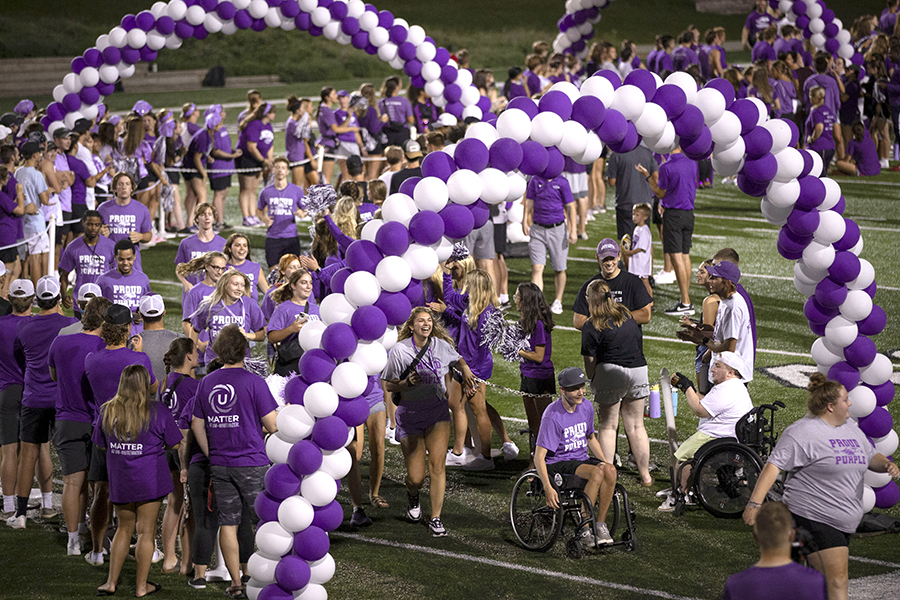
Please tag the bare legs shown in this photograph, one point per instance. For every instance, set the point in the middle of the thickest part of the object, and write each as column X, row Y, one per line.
column 414, row 448
column 140, row 517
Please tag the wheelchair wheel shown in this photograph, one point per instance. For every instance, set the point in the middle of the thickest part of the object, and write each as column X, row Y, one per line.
column 535, row 524
column 725, row 478
column 574, row 549
column 614, row 516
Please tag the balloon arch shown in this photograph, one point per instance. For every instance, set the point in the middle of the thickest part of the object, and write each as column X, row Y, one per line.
column 381, row 283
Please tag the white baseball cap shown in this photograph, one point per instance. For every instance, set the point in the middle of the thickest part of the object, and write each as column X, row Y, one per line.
column 88, row 291
column 152, row 305
column 47, row 288
column 730, row 359
column 21, row 288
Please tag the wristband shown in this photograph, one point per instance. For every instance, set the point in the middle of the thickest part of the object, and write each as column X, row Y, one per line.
column 647, row 178
column 752, row 504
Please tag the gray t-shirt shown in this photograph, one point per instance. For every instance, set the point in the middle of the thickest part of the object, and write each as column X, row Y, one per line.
column 156, row 344
column 631, row 187
column 826, row 466
column 432, row 368
column 72, row 329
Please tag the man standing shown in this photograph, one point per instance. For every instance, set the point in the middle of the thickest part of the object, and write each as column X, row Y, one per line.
column 124, row 218
column 627, row 289
column 550, row 222
column 90, row 256
column 34, row 226
column 278, row 205
column 756, row 21
column 631, row 188
column 677, row 189
column 413, row 168
column 155, row 337
column 125, row 284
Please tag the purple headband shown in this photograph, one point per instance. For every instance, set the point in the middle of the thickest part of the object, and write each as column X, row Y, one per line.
column 114, row 120
column 142, row 107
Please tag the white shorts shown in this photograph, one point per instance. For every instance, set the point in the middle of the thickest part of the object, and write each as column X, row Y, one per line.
column 38, row 245
column 578, row 182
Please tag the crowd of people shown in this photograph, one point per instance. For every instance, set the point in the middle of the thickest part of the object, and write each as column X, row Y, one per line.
column 127, row 403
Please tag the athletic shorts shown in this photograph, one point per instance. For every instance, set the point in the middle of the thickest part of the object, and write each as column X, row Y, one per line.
column 278, row 247
column 174, row 177
column 10, row 407
column 689, row 447
column 553, row 240
column 188, row 175
column 414, row 418
column 481, row 242
column 568, row 467
column 173, row 459
column 500, row 239
column 149, row 182
column 9, row 255
column 613, row 383
column 347, row 149
column 236, row 488
column 624, row 221
column 307, row 167
column 245, row 161
column 72, row 440
column 38, row 245
column 823, row 536
column 678, row 229
column 219, row 183
column 655, row 217
column 36, row 424
column 535, row 386
column 97, row 470
column 63, row 230
column 578, row 183
column 78, row 211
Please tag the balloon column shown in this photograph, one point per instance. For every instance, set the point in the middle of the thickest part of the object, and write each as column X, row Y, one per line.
column 820, row 26
column 576, row 28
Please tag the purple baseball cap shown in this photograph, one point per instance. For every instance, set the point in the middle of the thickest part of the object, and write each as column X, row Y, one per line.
column 607, row 248
column 725, row 270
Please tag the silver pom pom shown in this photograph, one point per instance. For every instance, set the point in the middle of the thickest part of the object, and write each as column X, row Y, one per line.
column 319, row 197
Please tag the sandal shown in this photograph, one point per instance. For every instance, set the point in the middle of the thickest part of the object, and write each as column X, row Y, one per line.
column 156, row 588
column 235, row 591
column 174, row 569
column 379, row 502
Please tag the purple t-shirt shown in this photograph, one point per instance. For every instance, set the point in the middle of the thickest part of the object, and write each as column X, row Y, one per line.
column 222, row 143
column 550, row 198
column 866, row 156
column 193, row 298
column 543, row 369
column 79, row 186
column 679, row 176
column 341, row 116
column 138, row 470
column 184, row 422
column 371, row 122
column 268, row 304
column 67, row 353
column 200, row 144
column 756, row 22
column 125, row 289
column 180, row 389
column 104, row 367
column 281, row 206
column 792, row 580
column 88, row 262
column 259, row 133
column 61, row 163
column 232, row 403
column 9, row 223
column 565, row 434
column 293, row 143
column 286, row 313
column 827, row 118
column 11, row 365
column 325, row 119
column 191, row 247
column 244, row 313
column 397, row 108
column 683, row 57
column 252, row 270
column 468, row 340
column 763, row 50
column 33, row 339
column 133, row 216
column 663, row 62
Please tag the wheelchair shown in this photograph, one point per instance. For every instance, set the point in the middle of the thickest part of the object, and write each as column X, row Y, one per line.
column 725, row 470
column 537, row 526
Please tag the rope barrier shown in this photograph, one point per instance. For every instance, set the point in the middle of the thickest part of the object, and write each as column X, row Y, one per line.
column 37, row 235
column 255, row 170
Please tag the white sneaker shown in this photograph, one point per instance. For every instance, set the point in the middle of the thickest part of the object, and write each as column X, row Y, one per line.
column 94, row 559
column 16, row 522
column 668, row 505
column 391, row 437
column 73, row 548
column 603, row 537
column 556, row 308
column 480, row 463
column 455, row 460
column 665, row 277
column 510, row 451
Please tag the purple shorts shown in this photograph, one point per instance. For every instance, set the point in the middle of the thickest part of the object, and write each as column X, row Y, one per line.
column 414, row 417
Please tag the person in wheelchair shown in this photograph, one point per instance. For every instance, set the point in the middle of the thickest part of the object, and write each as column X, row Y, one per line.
column 719, row 412
column 566, row 432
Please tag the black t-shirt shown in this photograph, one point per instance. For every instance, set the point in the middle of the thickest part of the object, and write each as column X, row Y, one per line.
column 622, row 346
column 401, row 176
column 5, row 307
column 626, row 289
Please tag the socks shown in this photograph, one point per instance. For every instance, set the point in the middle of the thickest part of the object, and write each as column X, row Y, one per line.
column 73, row 536
column 47, row 500
column 21, row 505
column 9, row 503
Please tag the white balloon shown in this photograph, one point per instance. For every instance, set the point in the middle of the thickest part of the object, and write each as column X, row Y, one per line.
column 212, row 23
column 243, row 4
column 426, row 52
column 71, row 83
column 873, row 479
column 823, row 356
column 464, row 186
column 102, row 42
column 801, row 275
column 629, row 100
column 195, row 14
column 494, row 186
column 71, row 118
column 416, row 35
column 546, row 129
column 273, row 540
column 818, row 255
column 464, row 79
column 295, row 514
column 361, row 288
column 55, row 125
column 398, row 207
column 319, row 16
column 868, row 499
column 125, row 71
column 816, row 25
column 173, row 42
column 393, row 273
column 137, row 38
column 434, row 88
column 422, row 260
column 831, row 227
column 601, row 88
column 790, row 164
column 320, row 399
column 846, row 51
column 857, row 306
column 368, row 21
column 159, row 9
column 652, row 121
column 832, row 193
column 804, row 288
column 287, row 24
column 811, row 273
column 711, row 103
column 261, row 568
column 294, row 421
column 311, row 335
column 370, row 229
column 118, row 37
column 727, row 129
column 319, row 488
column 686, row 82
column 321, row 571
column 730, row 153
column 277, row 448
column 176, row 9
column 431, row 71
column 90, row 112
column 484, row 132
column 865, row 278
column 377, row 37
column 312, row 592
column 396, row 63
column 515, row 233
column 515, row 124
column 878, row 372
column 776, row 215
column 155, row 41
column 336, row 463
column 574, row 140
column 762, row 111
column 59, row 92
column 781, row 134
column 387, row 51
column 594, row 148
column 783, row 194
column 841, row 332
column 443, row 249
column 389, row 339
column 335, row 308
column 517, row 185
column 886, row 445
column 431, row 194
column 862, row 401
column 371, row 356
column 726, row 169
column 273, row 18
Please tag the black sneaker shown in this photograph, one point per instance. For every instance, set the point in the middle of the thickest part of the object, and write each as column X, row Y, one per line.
column 437, row 527
column 198, row 583
column 413, row 510
column 359, row 518
column 680, row 310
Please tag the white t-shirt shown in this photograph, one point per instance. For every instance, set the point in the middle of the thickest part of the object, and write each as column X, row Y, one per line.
column 726, row 403
column 733, row 321
column 386, row 178
column 639, row 264
column 85, row 156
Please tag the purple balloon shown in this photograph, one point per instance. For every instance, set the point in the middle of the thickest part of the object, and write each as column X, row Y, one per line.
column 889, row 494
column 392, row 238
column 363, row 255
column 281, row 482
column 458, row 221
column 472, row 154
column 803, row 23
column 806, row 155
column 406, row 51
column 534, row 158
column 165, row 25
column 701, row 147
column 589, row 111
column 409, row 185
column 398, row 34
column 106, row 89
column 752, row 188
column 884, row 392
column 395, row 305
column 861, row 352
column 77, row 65
column 316, row 365
column 799, row 8
column 56, row 111
column 812, row 193
column 817, row 313
column 226, row 11
column 790, row 245
column 427, row 227
column 210, row 5
column 128, row 22
column 339, row 341
column 414, row 292
column 629, row 142
column 845, row 374
column 328, row 517
column 758, row 142
column 452, row 92
column 484, row 103
column 89, row 95
column 723, row 87
column 526, row 105
column 71, row 102
column 690, row 124
column 442, row 56
column 329, row 433
column 438, row 164
column 416, row 80
column 294, row 390
column 385, row 19
column 612, row 76
column 505, row 154
column 303, row 22
column 614, row 127
column 93, row 58
column 830, row 293
column 304, row 458
column 448, row 75
column 803, row 222
column 877, row 424
column 874, row 323
column 481, row 212
column 831, row 45
column 817, row 328
column 359, row 41
column 841, row 206
column 845, row 268
column 148, row 55
column 184, row 30
column 112, row 55
column 338, row 10
column 746, row 111
column 131, row 56
column 556, row 162
column 670, row 97
column 644, row 81
column 312, row 543
column 266, row 506
column 258, row 25
column 762, row 169
column 556, row 102
column 291, row 572
column 145, row 20
column 353, row 412
column 851, row 236
column 368, row 322
column 871, row 290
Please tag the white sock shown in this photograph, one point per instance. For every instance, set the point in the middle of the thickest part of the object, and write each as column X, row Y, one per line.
column 504, row 298
column 47, row 500
column 73, row 536
column 9, row 503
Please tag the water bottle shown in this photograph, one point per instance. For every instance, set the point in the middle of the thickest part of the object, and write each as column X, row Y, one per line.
column 674, row 402
column 653, row 407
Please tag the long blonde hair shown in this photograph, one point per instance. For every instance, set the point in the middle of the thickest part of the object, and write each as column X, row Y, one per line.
column 346, row 215
column 219, row 293
column 128, row 413
column 437, row 330
column 198, row 266
column 467, row 265
column 603, row 306
column 480, row 287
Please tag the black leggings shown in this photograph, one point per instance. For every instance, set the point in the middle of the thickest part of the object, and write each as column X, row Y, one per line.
column 206, row 522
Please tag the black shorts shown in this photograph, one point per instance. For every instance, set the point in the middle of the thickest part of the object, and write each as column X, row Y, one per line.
column 63, row 230
column 10, row 407
column 146, row 182
column 174, row 177
column 97, row 470
column 500, row 238
column 589, row 169
column 36, row 424
column 188, row 175
column 9, row 255
column 245, row 161
column 72, row 440
column 173, row 459
column 678, row 229
column 222, row 182
column 823, row 536
column 535, row 387
column 624, row 221
column 308, row 168
column 278, row 247
column 568, row 467
column 655, row 217
column 236, row 488
column 78, row 211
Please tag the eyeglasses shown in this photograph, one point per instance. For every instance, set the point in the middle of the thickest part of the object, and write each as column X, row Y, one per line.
column 217, row 268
